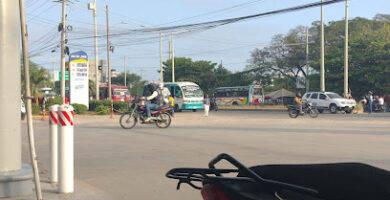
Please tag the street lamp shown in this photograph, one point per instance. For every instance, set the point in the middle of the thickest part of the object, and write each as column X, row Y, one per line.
column 92, row 6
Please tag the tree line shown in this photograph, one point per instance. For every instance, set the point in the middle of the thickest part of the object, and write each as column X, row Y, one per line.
column 277, row 65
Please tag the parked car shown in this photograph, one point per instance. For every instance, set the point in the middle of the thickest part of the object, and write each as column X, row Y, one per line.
column 329, row 101
column 22, row 109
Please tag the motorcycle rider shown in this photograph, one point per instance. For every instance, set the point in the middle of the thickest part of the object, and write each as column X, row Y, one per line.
column 298, row 101
column 156, row 96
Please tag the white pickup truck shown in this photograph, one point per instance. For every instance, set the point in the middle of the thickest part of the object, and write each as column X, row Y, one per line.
column 329, row 101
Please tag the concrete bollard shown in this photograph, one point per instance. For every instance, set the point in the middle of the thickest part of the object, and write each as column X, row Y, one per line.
column 65, row 149
column 53, row 137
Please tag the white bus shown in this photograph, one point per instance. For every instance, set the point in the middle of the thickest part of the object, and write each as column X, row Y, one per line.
column 187, row 95
column 239, row 95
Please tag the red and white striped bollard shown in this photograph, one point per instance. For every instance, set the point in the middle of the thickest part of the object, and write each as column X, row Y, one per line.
column 66, row 149
column 53, row 139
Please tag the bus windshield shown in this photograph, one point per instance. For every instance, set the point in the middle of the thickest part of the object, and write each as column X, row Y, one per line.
column 192, row 91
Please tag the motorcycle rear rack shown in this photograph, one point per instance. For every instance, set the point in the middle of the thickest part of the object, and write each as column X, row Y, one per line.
column 191, row 175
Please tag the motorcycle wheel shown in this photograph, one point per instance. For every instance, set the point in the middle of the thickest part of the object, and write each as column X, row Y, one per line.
column 313, row 113
column 127, row 121
column 163, row 120
column 293, row 113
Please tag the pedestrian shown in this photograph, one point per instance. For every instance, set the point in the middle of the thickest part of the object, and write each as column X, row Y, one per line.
column 370, row 101
column 206, row 105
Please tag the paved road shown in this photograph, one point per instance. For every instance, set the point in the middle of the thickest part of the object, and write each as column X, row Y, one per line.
column 113, row 163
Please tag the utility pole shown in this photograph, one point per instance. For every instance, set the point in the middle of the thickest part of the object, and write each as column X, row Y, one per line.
column 33, row 154
column 53, row 68
column 63, row 29
column 172, row 58
column 307, row 59
column 322, row 70
column 161, row 60
column 92, row 6
column 346, row 51
column 15, row 177
column 124, row 66
column 108, row 55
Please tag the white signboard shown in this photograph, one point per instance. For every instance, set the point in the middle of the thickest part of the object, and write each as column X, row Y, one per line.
column 79, row 83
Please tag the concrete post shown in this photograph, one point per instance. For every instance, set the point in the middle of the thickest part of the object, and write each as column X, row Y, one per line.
column 15, row 179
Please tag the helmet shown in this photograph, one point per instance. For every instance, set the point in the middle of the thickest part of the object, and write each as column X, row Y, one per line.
column 298, row 94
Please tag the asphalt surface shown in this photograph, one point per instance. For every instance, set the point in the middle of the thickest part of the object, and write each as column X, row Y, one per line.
column 113, row 163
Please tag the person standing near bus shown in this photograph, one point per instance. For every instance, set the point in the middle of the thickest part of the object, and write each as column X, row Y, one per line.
column 206, row 105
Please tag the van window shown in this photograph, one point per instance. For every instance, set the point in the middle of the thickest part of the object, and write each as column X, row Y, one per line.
column 314, row 96
column 307, row 95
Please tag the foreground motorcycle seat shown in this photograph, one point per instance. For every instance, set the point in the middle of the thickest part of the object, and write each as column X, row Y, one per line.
column 339, row 181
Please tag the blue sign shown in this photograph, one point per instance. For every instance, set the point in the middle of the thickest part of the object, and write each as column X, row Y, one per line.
column 78, row 55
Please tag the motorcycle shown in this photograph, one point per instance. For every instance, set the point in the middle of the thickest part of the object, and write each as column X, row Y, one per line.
column 338, row 181
column 294, row 112
column 160, row 116
column 214, row 106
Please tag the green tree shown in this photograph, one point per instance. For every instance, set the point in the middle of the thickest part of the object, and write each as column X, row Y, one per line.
column 39, row 78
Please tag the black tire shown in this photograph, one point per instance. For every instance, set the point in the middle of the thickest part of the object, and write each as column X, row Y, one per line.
column 235, row 103
column 293, row 113
column 163, row 120
column 333, row 109
column 216, row 108
column 348, row 111
column 313, row 113
column 320, row 111
column 193, row 110
column 127, row 121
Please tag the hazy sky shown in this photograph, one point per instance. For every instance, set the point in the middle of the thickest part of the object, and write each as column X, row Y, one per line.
column 230, row 44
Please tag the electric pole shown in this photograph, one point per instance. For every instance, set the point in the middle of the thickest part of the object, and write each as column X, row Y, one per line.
column 92, row 6
column 63, row 29
column 108, row 55
column 124, row 66
column 346, row 51
column 33, row 154
column 15, row 177
column 307, row 59
column 322, row 70
column 172, row 58
column 161, row 60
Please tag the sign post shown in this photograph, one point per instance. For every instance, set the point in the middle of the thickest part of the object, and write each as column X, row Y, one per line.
column 78, row 69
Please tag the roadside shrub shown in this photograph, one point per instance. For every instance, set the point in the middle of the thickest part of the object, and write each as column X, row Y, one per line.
column 79, row 108
column 120, row 106
column 55, row 100
column 102, row 110
column 93, row 104
column 36, row 110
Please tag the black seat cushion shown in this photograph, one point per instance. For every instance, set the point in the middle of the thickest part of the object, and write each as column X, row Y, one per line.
column 340, row 181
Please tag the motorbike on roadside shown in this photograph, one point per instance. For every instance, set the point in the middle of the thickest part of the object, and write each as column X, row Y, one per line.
column 337, row 181
column 214, row 106
column 307, row 108
column 161, row 116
